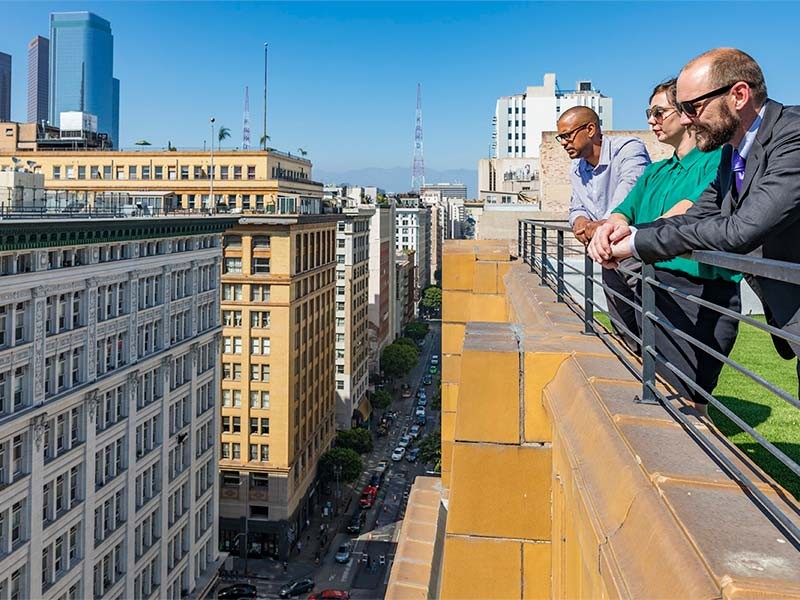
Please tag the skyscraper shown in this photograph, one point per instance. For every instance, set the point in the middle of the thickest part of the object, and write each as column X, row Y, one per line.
column 38, row 78
column 5, row 87
column 82, row 69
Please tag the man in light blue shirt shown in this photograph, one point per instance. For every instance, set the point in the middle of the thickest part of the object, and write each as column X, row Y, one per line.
column 604, row 169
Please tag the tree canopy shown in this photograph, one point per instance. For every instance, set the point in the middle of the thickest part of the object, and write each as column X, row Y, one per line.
column 347, row 459
column 398, row 359
column 357, row 439
column 381, row 399
column 416, row 330
column 432, row 298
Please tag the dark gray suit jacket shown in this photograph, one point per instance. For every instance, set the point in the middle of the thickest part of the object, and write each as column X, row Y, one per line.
column 764, row 219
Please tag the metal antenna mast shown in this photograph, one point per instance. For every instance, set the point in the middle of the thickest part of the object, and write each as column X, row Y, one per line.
column 418, row 166
column 246, row 127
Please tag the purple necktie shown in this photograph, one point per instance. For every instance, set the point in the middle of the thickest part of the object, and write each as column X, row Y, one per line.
column 737, row 166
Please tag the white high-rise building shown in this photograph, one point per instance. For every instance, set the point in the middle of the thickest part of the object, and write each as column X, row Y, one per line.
column 414, row 233
column 382, row 282
column 109, row 378
column 352, row 322
column 520, row 119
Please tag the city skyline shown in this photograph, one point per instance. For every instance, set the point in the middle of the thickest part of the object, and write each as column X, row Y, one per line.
column 342, row 76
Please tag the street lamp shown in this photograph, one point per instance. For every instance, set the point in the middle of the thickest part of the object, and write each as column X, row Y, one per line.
column 337, row 473
column 211, row 191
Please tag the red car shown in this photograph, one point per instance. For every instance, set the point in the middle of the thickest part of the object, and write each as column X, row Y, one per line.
column 368, row 496
column 330, row 595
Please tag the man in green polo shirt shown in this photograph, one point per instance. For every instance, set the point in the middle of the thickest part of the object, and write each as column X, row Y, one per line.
column 667, row 188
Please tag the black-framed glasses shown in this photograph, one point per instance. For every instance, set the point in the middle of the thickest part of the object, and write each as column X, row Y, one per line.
column 567, row 137
column 688, row 107
column 658, row 112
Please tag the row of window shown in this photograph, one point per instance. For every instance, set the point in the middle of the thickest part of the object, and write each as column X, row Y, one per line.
column 232, row 451
column 258, row 399
column 169, row 172
column 258, row 345
column 233, row 372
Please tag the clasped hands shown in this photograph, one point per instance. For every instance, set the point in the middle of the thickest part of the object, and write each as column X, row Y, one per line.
column 608, row 242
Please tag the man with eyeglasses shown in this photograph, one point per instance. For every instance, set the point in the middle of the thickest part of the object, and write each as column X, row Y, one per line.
column 604, row 169
column 754, row 202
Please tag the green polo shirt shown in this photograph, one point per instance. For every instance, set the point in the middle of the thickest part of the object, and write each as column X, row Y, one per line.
column 662, row 185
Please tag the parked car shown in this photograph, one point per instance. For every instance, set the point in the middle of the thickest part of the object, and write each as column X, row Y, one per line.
column 368, row 497
column 421, row 393
column 240, row 590
column 414, row 431
column 404, row 441
column 342, row 554
column 421, row 419
column 433, row 370
column 435, row 359
column 398, row 453
column 296, row 587
column 420, row 411
column 422, row 401
column 330, row 595
column 406, row 391
column 412, row 455
column 357, row 522
column 427, row 380
column 375, row 480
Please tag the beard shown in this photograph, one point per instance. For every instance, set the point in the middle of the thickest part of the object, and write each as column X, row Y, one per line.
column 712, row 136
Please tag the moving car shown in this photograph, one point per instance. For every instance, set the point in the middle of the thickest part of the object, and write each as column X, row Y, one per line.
column 296, row 587
column 412, row 455
column 368, row 497
column 404, row 441
column 414, row 431
column 357, row 522
column 406, row 393
column 398, row 454
column 342, row 554
column 375, row 480
column 330, row 595
column 240, row 590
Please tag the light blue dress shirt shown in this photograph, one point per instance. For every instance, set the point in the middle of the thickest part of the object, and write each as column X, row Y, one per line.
column 598, row 190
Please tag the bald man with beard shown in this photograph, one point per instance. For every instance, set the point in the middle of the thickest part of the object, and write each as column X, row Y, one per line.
column 604, row 169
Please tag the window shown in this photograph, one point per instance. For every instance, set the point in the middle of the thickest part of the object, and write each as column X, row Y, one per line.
column 184, row 172
column 265, row 453
column 159, row 172
column 259, row 345
column 264, row 426
column 260, row 319
column 232, row 291
column 261, row 242
column 260, row 265
column 251, row 172
column 259, row 399
column 259, row 293
column 232, row 265
column 253, row 452
column 223, row 173
column 132, row 173
column 232, row 318
column 237, row 172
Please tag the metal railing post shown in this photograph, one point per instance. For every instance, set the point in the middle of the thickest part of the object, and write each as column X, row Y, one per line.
column 648, row 336
column 560, row 266
column 520, row 240
column 588, row 293
column 544, row 256
column 532, row 246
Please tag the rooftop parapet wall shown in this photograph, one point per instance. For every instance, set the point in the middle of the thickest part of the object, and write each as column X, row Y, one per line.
column 559, row 484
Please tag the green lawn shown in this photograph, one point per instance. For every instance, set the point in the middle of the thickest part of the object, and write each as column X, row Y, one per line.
column 775, row 419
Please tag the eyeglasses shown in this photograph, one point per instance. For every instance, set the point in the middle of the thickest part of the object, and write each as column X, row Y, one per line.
column 658, row 112
column 689, row 107
column 567, row 137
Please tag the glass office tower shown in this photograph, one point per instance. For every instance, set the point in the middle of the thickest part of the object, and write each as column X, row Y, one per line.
column 82, row 69
column 38, row 78
column 5, row 86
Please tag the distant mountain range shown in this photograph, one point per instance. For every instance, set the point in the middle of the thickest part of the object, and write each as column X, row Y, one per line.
column 398, row 179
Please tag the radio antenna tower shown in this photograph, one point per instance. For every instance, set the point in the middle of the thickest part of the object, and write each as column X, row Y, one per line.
column 418, row 166
column 246, row 128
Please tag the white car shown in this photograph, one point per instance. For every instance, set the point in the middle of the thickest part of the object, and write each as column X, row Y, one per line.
column 398, row 453
column 404, row 441
column 420, row 412
column 414, row 431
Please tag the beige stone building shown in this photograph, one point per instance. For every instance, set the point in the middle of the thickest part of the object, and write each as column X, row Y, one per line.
column 169, row 181
column 278, row 382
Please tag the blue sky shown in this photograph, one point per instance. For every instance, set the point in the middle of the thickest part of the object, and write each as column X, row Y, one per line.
column 342, row 76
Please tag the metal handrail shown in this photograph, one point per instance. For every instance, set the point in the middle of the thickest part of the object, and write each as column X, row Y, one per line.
column 536, row 248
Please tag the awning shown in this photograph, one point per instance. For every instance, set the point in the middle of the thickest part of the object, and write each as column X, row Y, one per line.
column 365, row 408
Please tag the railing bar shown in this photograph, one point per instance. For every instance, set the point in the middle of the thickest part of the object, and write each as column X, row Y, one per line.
column 722, row 358
column 773, row 269
column 776, row 452
column 786, row 335
column 733, row 469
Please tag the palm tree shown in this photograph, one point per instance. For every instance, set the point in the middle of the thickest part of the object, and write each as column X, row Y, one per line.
column 224, row 134
column 302, row 152
column 263, row 141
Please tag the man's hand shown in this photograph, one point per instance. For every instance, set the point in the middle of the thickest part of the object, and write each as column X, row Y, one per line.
column 579, row 229
column 592, row 226
column 600, row 247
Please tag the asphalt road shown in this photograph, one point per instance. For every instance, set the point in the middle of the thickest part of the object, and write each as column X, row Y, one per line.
column 366, row 574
